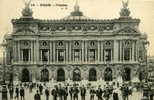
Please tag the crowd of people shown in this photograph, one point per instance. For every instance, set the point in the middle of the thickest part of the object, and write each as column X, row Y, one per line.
column 75, row 91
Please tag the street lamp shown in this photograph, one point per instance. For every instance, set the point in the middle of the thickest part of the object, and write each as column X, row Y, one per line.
column 4, row 88
column 146, row 68
column 4, row 59
column 146, row 87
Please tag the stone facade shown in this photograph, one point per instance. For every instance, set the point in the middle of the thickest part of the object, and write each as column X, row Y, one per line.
column 151, row 69
column 75, row 48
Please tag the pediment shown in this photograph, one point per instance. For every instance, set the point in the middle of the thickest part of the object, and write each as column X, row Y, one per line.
column 127, row 30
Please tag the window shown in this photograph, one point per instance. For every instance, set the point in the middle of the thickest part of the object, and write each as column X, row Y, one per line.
column 92, row 55
column 127, row 54
column 76, row 55
column 60, row 55
column 25, row 54
column 45, row 55
column 107, row 54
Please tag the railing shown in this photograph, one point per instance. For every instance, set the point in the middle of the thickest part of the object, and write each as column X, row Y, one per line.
column 79, row 62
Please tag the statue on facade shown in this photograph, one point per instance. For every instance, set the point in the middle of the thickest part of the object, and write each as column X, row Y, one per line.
column 125, row 4
column 125, row 10
column 27, row 11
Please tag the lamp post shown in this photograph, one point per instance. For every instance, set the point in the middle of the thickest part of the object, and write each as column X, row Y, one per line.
column 146, row 69
column 4, row 88
column 146, row 87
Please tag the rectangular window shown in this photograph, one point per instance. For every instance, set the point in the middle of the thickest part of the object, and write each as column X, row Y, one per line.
column 61, row 55
column 25, row 55
column 108, row 54
column 76, row 55
column 92, row 55
column 45, row 55
column 126, row 54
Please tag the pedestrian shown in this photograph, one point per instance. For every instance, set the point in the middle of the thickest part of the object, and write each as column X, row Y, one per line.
column 65, row 93
column 151, row 94
column 47, row 93
column 4, row 92
column 83, row 92
column 125, row 92
column 22, row 93
column 107, row 93
column 17, row 93
column 11, row 91
column 71, row 92
column 75, row 92
column 92, row 93
column 99, row 93
column 40, row 89
column 60, row 92
column 30, row 88
column 37, row 96
column 54, row 93
column 115, row 95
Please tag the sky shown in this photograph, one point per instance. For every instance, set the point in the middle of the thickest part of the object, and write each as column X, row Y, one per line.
column 96, row 9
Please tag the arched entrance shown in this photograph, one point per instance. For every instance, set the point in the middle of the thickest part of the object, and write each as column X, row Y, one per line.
column 76, row 75
column 92, row 75
column 44, row 75
column 25, row 75
column 126, row 76
column 108, row 74
column 60, row 75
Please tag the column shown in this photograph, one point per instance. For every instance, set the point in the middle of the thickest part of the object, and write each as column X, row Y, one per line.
column 121, row 51
column 98, row 53
column 101, row 52
column 116, row 53
column 14, row 52
column 19, row 59
column 37, row 56
column 54, row 53
column 70, row 50
column 133, row 48
column 67, row 53
column 86, row 55
column 83, row 53
column 29, row 59
column 135, row 53
column 50, row 52
column 35, row 53
column 32, row 60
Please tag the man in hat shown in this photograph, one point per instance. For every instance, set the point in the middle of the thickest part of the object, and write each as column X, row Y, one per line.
column 99, row 93
column 37, row 96
column 76, row 92
column 54, row 92
column 83, row 92
column 22, row 93
column 92, row 93
column 47, row 93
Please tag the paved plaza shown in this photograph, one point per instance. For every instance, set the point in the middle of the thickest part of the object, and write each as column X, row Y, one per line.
column 30, row 96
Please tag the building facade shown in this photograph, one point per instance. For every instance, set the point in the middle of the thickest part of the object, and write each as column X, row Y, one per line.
column 75, row 48
column 151, row 69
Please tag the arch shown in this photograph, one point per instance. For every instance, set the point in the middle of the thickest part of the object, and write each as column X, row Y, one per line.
column 92, row 74
column 44, row 75
column 60, row 75
column 77, row 75
column 25, row 75
column 108, row 74
column 126, row 76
